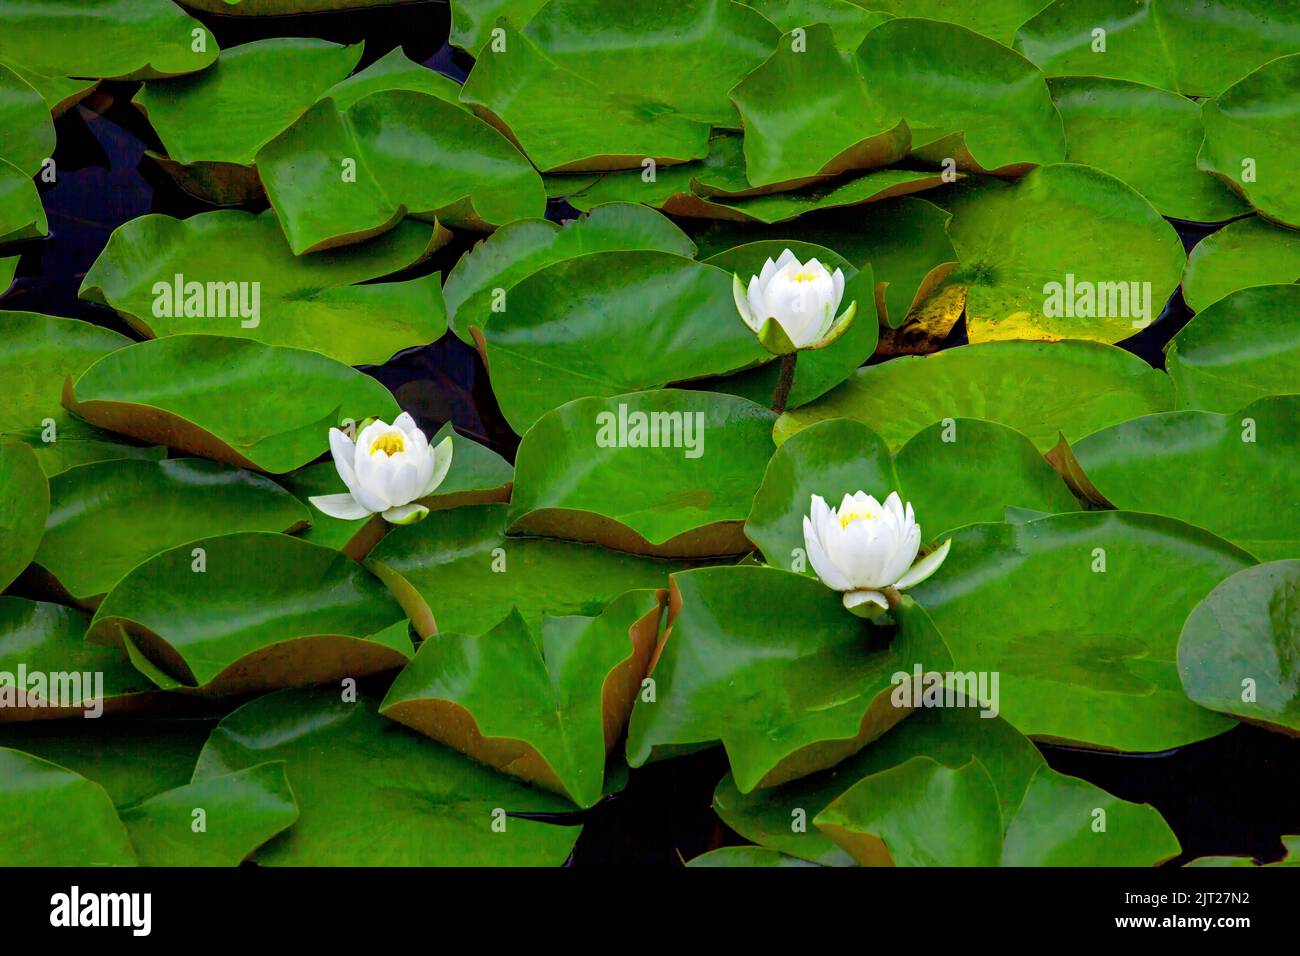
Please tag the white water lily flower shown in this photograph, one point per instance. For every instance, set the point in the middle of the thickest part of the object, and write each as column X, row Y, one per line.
column 386, row 469
column 791, row 305
column 864, row 547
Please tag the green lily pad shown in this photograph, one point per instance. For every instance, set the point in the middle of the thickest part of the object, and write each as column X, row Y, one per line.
column 567, row 330
column 993, row 465
column 1242, row 347
column 1145, row 137
column 1040, row 389
column 481, row 280
column 1022, row 600
column 568, row 123
column 238, row 812
column 649, row 485
column 8, row 268
column 478, row 476
column 60, row 93
column 544, row 705
column 323, row 617
column 275, row 8
column 779, row 817
column 965, row 97
column 55, row 817
column 904, row 240
column 1252, row 133
column 809, row 113
column 1238, row 648
column 25, row 122
column 395, row 71
column 48, row 639
column 57, row 457
column 410, row 154
column 1187, row 46
column 460, row 567
column 919, row 813
column 107, row 517
column 217, row 120
column 770, row 664
column 425, row 805
column 1066, row 821
column 24, row 503
column 240, row 402
column 472, row 21
column 996, row 19
column 1069, row 252
column 1233, row 474
column 22, row 216
column 132, row 758
column 1245, row 253
column 746, row 856
column 847, row 19
column 873, row 186
column 105, row 39
column 250, row 285
column 672, row 189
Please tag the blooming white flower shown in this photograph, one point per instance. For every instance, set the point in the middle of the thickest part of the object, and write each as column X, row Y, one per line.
column 864, row 547
column 791, row 305
column 386, row 469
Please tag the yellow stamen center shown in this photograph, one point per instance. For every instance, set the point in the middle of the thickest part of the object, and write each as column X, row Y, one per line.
column 805, row 277
column 849, row 517
column 390, row 443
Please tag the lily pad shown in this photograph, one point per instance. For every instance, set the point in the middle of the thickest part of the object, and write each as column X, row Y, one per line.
column 546, row 705
column 214, row 122
column 243, row 810
column 24, row 502
column 649, row 485
column 472, row 21
column 1022, row 600
column 478, row 476
column 409, row 153
column 60, row 93
column 107, row 517
column 1245, row 253
column 56, row 817
column 274, row 8
column 847, row 19
column 1238, row 649
column 904, row 240
column 873, row 186
column 770, row 664
column 460, row 567
column 481, row 280
column 1145, row 137
column 1187, row 46
column 1242, row 347
column 965, row 97
column 394, row 71
column 1039, row 389
column 322, row 616
column 250, row 285
column 1233, row 474
column 426, row 805
column 25, row 122
column 233, row 400
column 8, row 267
column 1252, row 133
column 809, row 113
column 566, row 331
column 994, row 466
column 1069, row 252
column 105, row 39
column 21, row 214
column 746, row 856
column 779, row 817
column 996, row 19
column 80, row 679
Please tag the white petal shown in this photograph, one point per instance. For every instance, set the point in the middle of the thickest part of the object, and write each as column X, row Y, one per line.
column 405, row 514
column 785, row 258
column 342, row 506
column 344, row 451
column 837, row 280
column 441, row 464
column 742, row 301
column 909, row 542
column 757, row 310
column 403, row 483
column 863, row 596
column 830, row 575
column 405, row 423
column 768, row 270
column 925, row 567
column 372, row 482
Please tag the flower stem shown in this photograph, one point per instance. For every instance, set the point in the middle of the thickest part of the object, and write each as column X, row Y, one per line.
column 784, row 382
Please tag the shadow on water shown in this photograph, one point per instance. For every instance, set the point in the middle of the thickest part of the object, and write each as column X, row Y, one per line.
column 1230, row 795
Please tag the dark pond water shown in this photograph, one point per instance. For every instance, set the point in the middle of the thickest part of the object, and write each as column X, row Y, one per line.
column 1234, row 794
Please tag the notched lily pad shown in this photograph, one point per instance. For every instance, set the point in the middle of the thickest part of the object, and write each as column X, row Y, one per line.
column 242, row 403
column 650, row 485
column 321, row 616
column 771, row 665
column 545, row 704
column 1242, row 254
